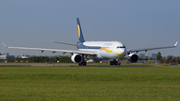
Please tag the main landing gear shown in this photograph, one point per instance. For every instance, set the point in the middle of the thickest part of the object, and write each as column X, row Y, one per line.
column 115, row 62
column 83, row 62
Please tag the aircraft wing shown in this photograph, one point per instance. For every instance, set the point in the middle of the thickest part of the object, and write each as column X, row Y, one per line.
column 152, row 48
column 64, row 43
column 55, row 50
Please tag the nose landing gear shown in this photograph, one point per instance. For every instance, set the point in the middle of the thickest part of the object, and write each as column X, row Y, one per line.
column 115, row 62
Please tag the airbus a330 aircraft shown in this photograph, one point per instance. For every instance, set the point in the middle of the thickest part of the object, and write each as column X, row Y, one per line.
column 101, row 50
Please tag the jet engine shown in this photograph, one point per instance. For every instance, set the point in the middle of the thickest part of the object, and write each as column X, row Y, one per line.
column 132, row 57
column 76, row 58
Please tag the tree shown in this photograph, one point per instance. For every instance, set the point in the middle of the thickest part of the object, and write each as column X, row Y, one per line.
column 161, row 61
column 158, row 56
column 168, row 60
column 177, row 60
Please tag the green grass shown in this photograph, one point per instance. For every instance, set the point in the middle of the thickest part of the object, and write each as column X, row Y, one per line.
column 89, row 83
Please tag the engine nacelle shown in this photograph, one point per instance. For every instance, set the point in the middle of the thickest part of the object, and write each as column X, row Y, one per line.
column 132, row 57
column 76, row 58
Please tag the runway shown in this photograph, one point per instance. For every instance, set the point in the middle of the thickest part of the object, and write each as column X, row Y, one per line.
column 91, row 65
column 76, row 65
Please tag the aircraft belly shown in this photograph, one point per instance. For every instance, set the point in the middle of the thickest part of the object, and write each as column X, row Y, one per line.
column 108, row 55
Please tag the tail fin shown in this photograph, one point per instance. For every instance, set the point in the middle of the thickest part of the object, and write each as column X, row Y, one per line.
column 80, row 35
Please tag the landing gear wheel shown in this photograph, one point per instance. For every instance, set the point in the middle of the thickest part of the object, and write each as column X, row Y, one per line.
column 119, row 64
column 111, row 63
column 115, row 62
column 80, row 64
column 84, row 63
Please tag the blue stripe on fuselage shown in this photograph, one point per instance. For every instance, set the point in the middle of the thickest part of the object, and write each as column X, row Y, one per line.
column 80, row 45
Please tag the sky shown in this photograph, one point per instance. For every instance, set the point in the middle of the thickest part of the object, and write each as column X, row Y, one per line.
column 136, row 23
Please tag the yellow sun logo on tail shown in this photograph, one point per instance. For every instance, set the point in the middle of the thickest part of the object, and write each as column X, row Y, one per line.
column 78, row 31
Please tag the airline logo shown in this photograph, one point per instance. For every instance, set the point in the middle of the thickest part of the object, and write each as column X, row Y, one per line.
column 110, row 51
column 78, row 31
column 107, row 50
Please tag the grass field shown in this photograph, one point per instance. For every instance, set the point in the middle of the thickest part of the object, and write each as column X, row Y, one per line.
column 26, row 83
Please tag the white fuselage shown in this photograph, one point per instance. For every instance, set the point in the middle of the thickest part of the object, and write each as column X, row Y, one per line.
column 105, row 49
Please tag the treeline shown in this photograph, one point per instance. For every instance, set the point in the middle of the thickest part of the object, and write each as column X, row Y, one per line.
column 165, row 61
column 42, row 59
column 169, row 60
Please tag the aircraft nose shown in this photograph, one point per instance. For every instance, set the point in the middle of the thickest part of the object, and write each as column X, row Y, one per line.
column 124, row 51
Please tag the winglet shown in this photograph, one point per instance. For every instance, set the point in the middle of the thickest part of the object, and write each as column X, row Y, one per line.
column 175, row 44
column 4, row 45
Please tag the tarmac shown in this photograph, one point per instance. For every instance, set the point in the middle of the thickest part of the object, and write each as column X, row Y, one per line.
column 76, row 65
column 91, row 65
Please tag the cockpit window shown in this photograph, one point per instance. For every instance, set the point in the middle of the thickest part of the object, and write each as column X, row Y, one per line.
column 121, row 47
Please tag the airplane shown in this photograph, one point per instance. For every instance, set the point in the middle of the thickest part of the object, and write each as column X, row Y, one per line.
column 101, row 50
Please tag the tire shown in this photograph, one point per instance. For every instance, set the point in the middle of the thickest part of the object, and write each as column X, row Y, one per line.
column 84, row 63
column 111, row 63
column 115, row 63
column 80, row 64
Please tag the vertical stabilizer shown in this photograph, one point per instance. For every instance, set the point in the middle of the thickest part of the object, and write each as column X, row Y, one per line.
column 80, row 35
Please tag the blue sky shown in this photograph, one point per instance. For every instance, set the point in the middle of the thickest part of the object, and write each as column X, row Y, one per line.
column 136, row 23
